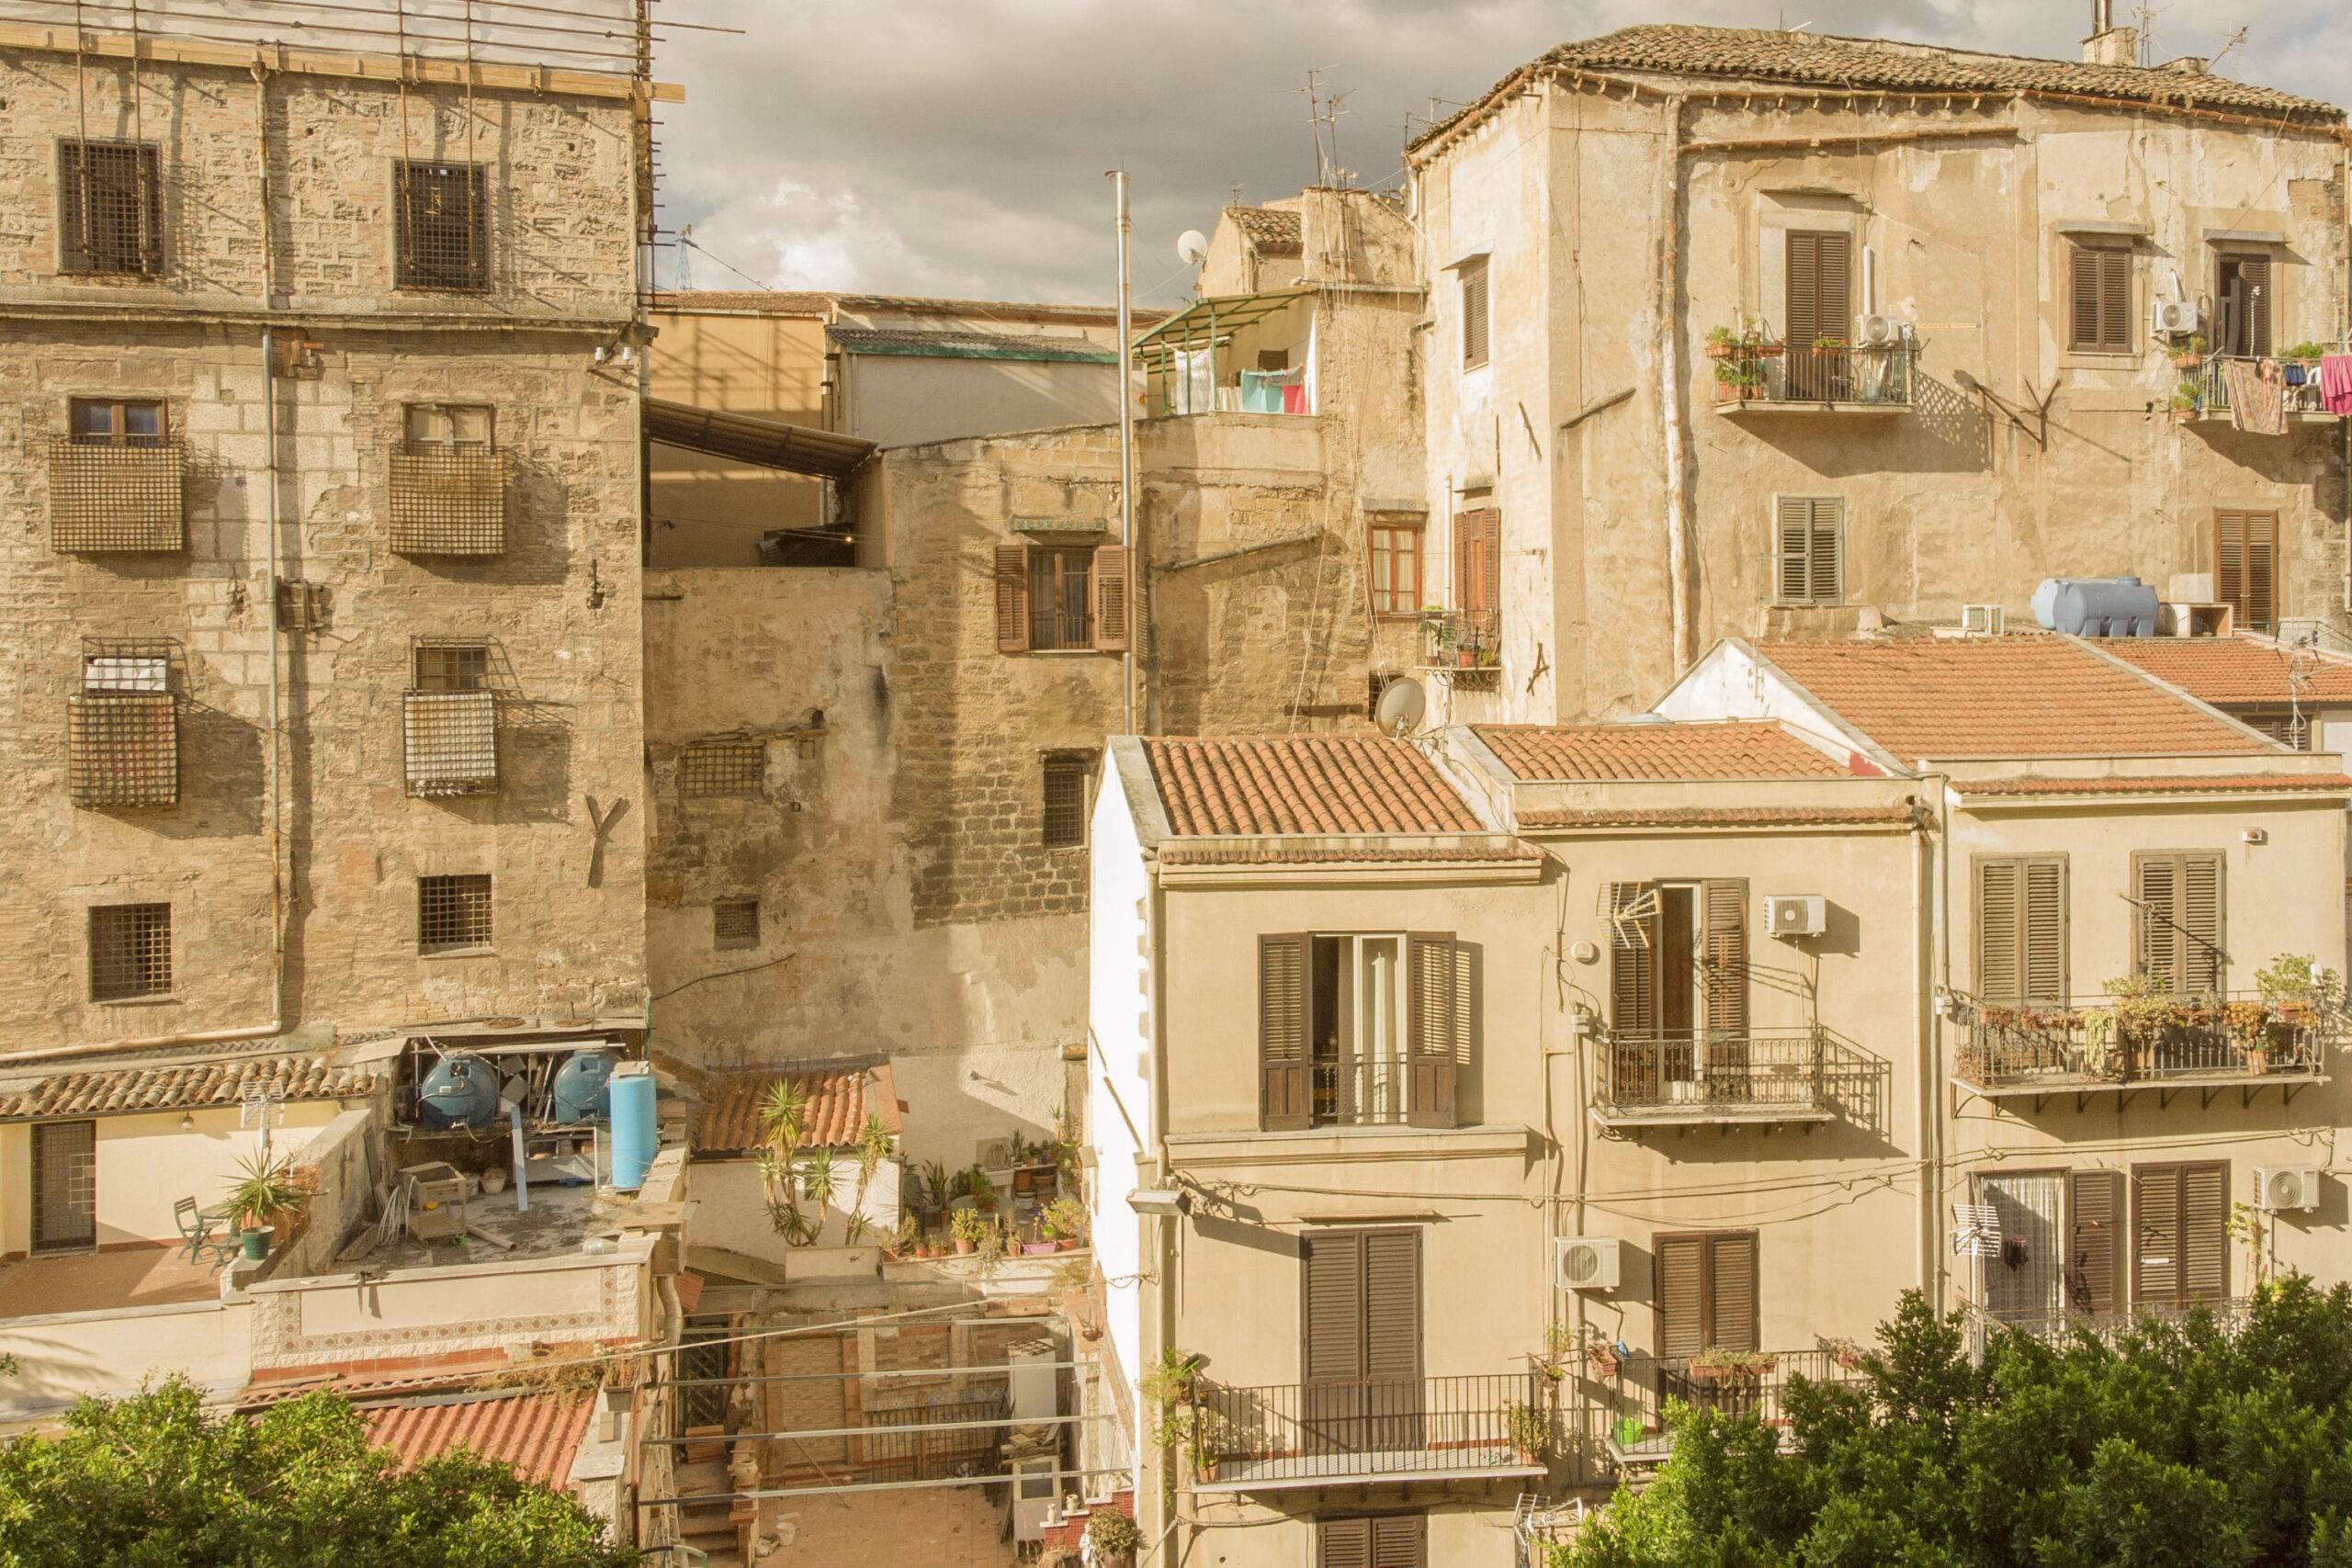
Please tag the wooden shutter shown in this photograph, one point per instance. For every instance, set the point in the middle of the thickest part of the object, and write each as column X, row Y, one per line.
column 1478, row 562
column 1724, row 986
column 1012, row 599
column 1632, row 959
column 2245, row 566
column 2205, row 1231
column 2156, row 1235
column 2253, row 335
column 1437, row 1006
column 1392, row 1304
column 2101, row 297
column 1285, row 1101
column 1401, row 1541
column 1108, row 583
column 1731, row 1271
column 1332, row 1321
column 1682, row 1294
column 1474, row 314
column 2097, row 1200
column 2180, row 1234
column 1808, row 548
column 2082, row 298
column 1343, row 1543
column 2021, row 929
column 1820, row 290
column 2178, row 919
column 1706, row 1293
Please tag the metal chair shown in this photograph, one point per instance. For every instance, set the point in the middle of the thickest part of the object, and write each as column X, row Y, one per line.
column 196, row 1233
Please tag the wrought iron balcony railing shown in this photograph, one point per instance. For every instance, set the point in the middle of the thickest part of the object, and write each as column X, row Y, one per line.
column 2229, row 1314
column 1466, row 644
column 1344, row 1434
column 2091, row 1043
column 2299, row 383
column 1701, row 1071
column 1767, row 373
column 1738, row 1383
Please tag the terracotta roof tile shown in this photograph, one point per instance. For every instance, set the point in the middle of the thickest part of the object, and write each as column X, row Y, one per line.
column 2012, row 697
column 537, row 1433
column 182, row 1086
column 2233, row 670
column 1720, row 817
column 1744, row 749
column 1272, row 230
column 2305, row 783
column 841, row 1096
column 1304, row 784
column 1276, row 855
column 789, row 302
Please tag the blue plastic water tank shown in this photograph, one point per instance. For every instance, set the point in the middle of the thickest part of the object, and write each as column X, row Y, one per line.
column 634, row 1137
column 2096, row 607
column 462, row 1091
column 579, row 1092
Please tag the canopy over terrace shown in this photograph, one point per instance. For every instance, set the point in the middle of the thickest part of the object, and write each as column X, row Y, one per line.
column 1203, row 327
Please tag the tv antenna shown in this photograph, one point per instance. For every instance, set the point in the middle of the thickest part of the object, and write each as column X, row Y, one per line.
column 1323, row 112
column 685, row 278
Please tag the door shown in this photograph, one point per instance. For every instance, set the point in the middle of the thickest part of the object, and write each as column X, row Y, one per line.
column 2180, row 1225
column 1821, row 310
column 2241, row 304
column 66, row 1185
column 2025, row 1280
column 2095, row 1220
column 1678, row 989
column 1361, row 1329
column 2246, row 567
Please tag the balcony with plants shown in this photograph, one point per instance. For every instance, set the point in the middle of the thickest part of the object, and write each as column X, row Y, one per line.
column 1647, row 1395
column 2203, row 391
column 1465, row 646
column 1753, row 371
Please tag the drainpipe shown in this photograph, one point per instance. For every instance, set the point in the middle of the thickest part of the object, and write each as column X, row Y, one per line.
column 1932, row 1271
column 1680, row 569
column 1128, row 462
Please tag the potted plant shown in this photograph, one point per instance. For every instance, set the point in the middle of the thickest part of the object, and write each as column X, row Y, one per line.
column 969, row 1224
column 263, row 1193
column 2190, row 355
column 1112, row 1538
column 1845, row 1353
column 1529, row 1432
column 2185, row 398
column 1629, row 1432
column 1719, row 1366
column 1209, row 1437
column 1065, row 1222
column 1604, row 1359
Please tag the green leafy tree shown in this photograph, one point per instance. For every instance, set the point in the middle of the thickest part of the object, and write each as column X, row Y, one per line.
column 157, row 1481
column 2175, row 1445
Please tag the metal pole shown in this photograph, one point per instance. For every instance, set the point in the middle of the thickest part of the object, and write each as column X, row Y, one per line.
column 1127, row 463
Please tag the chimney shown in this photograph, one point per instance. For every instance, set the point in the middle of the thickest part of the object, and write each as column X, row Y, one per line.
column 2188, row 65
column 2114, row 46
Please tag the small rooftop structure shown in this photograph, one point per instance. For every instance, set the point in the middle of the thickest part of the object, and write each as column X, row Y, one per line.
column 841, row 1096
column 182, row 1086
column 1271, row 231
column 948, row 343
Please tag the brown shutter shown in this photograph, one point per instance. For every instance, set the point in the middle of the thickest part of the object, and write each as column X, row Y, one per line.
column 1632, row 960
column 2042, row 960
column 1792, row 541
column 1490, row 565
column 1436, row 1006
column 1284, row 1100
column 2097, row 1203
column 1819, row 289
column 1333, row 1320
column 2156, row 886
column 1723, row 975
column 2000, row 972
column 2155, row 1236
column 1392, row 1304
column 1343, row 1543
column 1109, row 585
column 1682, row 1263
column 1401, row 1541
column 1731, row 1270
column 1822, row 553
column 2084, row 298
column 2115, row 300
column 1474, row 314
column 1477, row 560
column 2245, row 563
column 1012, row 599
column 2202, row 949
column 2255, row 270
column 2205, row 1232
column 2178, row 919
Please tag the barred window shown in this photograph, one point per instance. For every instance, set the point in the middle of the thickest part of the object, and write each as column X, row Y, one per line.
column 131, row 950
column 115, row 480
column 1066, row 801
column 442, row 221
column 119, row 422
column 452, row 912
column 722, row 767
column 450, row 424
column 735, row 922
column 108, row 213
column 448, row 482
column 452, row 667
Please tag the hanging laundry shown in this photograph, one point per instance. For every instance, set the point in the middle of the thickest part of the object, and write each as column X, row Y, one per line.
column 2335, row 383
column 2294, row 375
column 2255, row 404
column 1262, row 390
column 1294, row 398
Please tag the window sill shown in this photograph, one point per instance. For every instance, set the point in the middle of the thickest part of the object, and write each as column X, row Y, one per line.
column 458, row 952
column 161, row 999
column 1070, row 653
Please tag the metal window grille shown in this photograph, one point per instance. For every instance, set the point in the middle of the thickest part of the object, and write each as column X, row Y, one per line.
column 66, row 1185
column 105, row 496
column 123, row 748
column 452, row 912
column 1060, row 590
column 452, row 667
column 131, row 950
column 109, row 214
column 451, row 742
column 1064, row 802
column 1374, row 684
column 442, row 220
column 448, row 500
column 722, row 767
column 735, row 923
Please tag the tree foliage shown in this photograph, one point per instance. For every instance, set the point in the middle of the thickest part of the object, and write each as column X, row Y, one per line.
column 2174, row 1447
column 157, row 1481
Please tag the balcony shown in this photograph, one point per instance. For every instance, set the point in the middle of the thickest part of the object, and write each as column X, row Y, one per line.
column 1357, row 1434
column 1739, row 1383
column 2230, row 1315
column 2084, row 1046
column 1464, row 648
column 1757, row 377
column 1804, row 1076
column 2205, row 383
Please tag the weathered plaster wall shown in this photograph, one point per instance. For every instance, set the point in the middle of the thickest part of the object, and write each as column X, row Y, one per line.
column 705, row 510
column 906, row 400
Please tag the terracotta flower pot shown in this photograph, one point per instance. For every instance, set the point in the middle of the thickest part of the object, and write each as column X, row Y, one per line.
column 1066, row 1244
column 963, row 1244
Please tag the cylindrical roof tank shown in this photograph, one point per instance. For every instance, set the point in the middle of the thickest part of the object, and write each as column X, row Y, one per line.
column 460, row 1091
column 2096, row 606
column 635, row 1135
column 580, row 1086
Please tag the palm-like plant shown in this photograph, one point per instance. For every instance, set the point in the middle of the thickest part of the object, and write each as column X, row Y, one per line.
column 872, row 1146
column 783, row 1112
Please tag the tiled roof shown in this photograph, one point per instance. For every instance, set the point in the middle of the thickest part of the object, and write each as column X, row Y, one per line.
column 1304, row 784
column 2233, row 670
column 1276, row 854
column 186, row 1085
column 1272, row 230
column 1740, row 749
column 950, row 345
column 2012, row 697
column 537, row 1433
column 788, row 302
column 1720, row 817
column 2304, row 783
column 841, row 1096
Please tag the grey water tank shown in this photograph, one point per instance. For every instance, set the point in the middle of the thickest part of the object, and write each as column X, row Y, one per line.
column 2096, row 607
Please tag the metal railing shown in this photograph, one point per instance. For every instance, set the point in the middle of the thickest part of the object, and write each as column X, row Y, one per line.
column 926, row 1441
column 1754, row 1383
column 449, row 501
column 1731, row 1072
column 1872, row 375
column 1460, row 639
column 1368, row 1093
column 2085, row 1041
column 1347, row 1432
column 2230, row 1315
column 2214, row 388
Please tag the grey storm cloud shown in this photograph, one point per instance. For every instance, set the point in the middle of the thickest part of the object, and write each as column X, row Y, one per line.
column 957, row 147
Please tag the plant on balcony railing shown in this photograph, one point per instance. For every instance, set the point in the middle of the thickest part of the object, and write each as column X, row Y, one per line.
column 2140, row 1031
column 2189, row 356
column 1530, row 1431
column 1750, row 366
column 1465, row 639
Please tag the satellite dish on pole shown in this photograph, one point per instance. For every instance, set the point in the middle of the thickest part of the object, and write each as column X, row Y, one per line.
column 1402, row 704
column 1193, row 246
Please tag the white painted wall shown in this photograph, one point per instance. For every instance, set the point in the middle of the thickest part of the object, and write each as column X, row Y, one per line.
column 911, row 399
column 1119, row 1013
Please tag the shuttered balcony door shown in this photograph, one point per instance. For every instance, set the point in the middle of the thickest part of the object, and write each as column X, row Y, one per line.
column 1820, row 307
column 2180, row 1216
column 2021, row 930
column 1706, row 1293
column 1361, row 1354
column 2177, row 920
column 2246, row 567
column 2096, row 1201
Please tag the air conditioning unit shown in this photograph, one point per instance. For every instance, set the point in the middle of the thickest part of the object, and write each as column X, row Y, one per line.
column 1877, row 332
column 1796, row 914
column 1588, row 1262
column 2175, row 317
column 1981, row 620
column 2285, row 1186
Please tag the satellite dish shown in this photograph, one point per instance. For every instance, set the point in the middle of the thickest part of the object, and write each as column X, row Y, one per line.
column 1193, row 246
column 1402, row 703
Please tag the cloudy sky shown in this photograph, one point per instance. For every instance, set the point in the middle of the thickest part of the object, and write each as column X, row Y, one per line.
column 957, row 147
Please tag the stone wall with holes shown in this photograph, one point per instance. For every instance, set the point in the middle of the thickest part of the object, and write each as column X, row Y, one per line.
column 559, row 608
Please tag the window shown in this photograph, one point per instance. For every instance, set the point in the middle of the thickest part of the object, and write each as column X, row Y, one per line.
column 1478, row 562
column 2177, row 924
column 448, row 482
column 735, row 922
column 449, row 721
column 119, row 422
column 2288, row 726
column 2241, row 305
column 66, row 1185
column 1065, row 781
column 2180, row 1219
column 452, row 667
column 1384, row 1540
column 2095, row 1202
column 1820, row 305
column 442, row 222
column 450, row 424
column 1679, row 980
column 1705, row 1292
column 131, row 950
column 1474, row 314
column 2021, row 929
column 1059, row 597
column 2246, row 567
column 109, row 217
column 122, row 727
column 1809, row 550
column 452, row 913
column 722, row 767
column 2099, row 301
column 1360, row 1355
column 114, row 479
column 1395, row 571
column 2025, row 1280
column 1356, row 1030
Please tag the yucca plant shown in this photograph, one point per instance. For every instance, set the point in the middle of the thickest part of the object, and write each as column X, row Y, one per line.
column 783, row 1112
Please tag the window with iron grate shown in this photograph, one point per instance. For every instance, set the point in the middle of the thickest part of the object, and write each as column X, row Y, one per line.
column 122, row 727
column 449, row 721
column 131, row 950
column 722, row 767
column 1065, row 781
column 452, row 912
column 109, row 214
column 115, row 480
column 448, row 482
column 735, row 922
column 441, row 221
